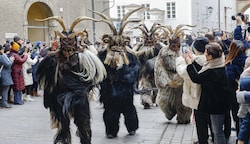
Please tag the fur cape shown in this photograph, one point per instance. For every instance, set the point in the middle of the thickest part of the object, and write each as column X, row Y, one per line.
column 66, row 83
column 119, row 82
column 169, row 84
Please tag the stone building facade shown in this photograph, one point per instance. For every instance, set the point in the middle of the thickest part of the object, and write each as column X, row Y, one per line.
column 18, row 17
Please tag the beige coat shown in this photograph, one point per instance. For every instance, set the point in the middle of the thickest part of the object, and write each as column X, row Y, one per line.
column 191, row 95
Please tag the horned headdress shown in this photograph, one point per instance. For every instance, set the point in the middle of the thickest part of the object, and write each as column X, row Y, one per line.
column 91, row 68
column 149, row 35
column 68, row 39
column 174, row 36
column 117, row 48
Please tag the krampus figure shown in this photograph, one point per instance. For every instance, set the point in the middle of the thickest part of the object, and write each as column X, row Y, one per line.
column 66, row 77
column 168, row 82
column 117, row 92
column 147, row 52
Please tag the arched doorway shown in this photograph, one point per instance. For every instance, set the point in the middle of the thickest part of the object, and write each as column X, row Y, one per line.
column 38, row 31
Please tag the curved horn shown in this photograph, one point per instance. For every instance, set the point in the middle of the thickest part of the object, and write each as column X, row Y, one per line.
column 145, row 27
column 57, row 18
column 111, row 25
column 156, row 28
column 125, row 17
column 166, row 32
column 142, row 29
column 101, row 15
column 124, row 21
column 58, row 33
column 179, row 29
column 80, row 19
column 153, row 26
column 107, row 20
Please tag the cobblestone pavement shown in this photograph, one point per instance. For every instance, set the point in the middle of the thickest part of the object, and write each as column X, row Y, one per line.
column 30, row 124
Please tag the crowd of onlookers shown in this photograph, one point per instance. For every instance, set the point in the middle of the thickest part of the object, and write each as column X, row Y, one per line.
column 217, row 69
column 221, row 67
column 19, row 61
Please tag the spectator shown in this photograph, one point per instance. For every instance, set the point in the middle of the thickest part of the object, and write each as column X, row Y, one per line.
column 35, row 53
column 17, row 73
column 235, row 62
column 212, row 78
column 243, row 98
column 5, row 76
column 191, row 98
column 27, row 73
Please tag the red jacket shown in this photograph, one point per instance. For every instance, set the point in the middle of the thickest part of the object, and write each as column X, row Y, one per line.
column 17, row 71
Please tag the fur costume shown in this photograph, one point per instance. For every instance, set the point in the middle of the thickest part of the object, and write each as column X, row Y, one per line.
column 167, row 80
column 66, row 76
column 147, row 52
column 122, row 66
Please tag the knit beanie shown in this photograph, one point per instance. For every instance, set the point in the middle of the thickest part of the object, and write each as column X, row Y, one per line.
column 15, row 46
column 38, row 43
column 200, row 43
column 16, row 38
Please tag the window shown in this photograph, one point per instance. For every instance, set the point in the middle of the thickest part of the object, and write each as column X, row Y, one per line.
column 146, row 14
column 120, row 11
column 171, row 10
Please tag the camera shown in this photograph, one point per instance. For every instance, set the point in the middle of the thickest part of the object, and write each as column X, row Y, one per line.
column 239, row 14
column 218, row 33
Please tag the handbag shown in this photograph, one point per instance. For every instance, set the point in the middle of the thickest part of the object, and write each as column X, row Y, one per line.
column 29, row 70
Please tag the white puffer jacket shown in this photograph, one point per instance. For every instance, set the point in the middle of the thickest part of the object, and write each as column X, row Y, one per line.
column 28, row 79
column 190, row 96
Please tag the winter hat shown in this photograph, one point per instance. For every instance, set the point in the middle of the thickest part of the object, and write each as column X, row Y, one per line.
column 6, row 47
column 38, row 43
column 200, row 43
column 16, row 38
column 15, row 46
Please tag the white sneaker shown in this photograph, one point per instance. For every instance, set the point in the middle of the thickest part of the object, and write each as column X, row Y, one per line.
column 29, row 98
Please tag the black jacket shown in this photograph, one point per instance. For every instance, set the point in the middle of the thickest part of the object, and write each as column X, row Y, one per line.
column 215, row 98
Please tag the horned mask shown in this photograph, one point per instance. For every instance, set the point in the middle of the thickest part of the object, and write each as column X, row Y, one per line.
column 175, row 36
column 117, row 47
column 68, row 39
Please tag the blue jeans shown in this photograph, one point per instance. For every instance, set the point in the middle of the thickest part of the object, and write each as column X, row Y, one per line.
column 244, row 132
column 17, row 97
column 217, row 121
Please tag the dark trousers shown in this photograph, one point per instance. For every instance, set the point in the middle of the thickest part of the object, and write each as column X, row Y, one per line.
column 227, row 125
column 203, row 122
column 111, row 119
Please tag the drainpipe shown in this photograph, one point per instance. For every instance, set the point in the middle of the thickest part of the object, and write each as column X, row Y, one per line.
column 93, row 23
column 219, row 13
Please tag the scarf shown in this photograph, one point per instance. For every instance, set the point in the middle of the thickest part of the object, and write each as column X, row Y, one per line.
column 214, row 63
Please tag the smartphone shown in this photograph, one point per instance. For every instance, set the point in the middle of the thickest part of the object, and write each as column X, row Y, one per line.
column 184, row 49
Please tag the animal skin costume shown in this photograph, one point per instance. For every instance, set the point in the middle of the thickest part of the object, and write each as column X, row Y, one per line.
column 117, row 92
column 168, row 82
column 66, row 76
column 147, row 52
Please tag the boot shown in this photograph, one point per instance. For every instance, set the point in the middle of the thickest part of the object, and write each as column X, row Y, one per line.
column 35, row 94
column 10, row 99
column 29, row 98
column 25, row 97
column 32, row 93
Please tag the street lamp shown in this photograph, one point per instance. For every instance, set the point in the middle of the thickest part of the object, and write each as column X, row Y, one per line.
column 209, row 11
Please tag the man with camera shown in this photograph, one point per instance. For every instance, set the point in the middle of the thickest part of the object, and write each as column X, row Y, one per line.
column 242, row 28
